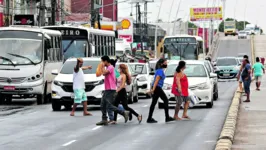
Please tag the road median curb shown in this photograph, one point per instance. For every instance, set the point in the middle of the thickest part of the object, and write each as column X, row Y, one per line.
column 227, row 135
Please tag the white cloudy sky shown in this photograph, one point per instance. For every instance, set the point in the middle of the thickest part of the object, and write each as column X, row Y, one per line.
column 255, row 10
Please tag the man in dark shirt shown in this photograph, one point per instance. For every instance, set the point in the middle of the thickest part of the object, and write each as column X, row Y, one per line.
column 245, row 75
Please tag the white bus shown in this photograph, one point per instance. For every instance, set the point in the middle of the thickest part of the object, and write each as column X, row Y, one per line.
column 85, row 42
column 183, row 47
column 27, row 57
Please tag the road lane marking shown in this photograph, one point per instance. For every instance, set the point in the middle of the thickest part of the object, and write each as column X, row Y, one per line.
column 210, row 141
column 68, row 143
column 145, row 106
column 95, row 128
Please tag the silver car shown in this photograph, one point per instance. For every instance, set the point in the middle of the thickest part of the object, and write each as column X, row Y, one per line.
column 242, row 35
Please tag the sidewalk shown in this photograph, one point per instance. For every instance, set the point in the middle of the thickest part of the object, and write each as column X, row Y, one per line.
column 251, row 124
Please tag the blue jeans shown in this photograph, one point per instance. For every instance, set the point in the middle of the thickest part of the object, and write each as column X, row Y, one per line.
column 247, row 85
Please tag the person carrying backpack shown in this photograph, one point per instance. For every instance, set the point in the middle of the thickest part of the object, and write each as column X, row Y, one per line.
column 122, row 93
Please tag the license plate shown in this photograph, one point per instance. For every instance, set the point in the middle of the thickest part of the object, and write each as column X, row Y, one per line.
column 9, row 88
column 72, row 96
column 227, row 74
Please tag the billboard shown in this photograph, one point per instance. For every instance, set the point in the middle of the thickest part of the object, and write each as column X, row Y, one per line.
column 198, row 14
column 127, row 29
column 1, row 13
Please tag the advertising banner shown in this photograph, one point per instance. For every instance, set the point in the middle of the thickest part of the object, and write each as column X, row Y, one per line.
column 24, row 20
column 1, row 13
column 212, row 13
column 200, row 33
column 127, row 29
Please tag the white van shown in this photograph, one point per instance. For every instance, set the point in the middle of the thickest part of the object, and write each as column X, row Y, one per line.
column 122, row 47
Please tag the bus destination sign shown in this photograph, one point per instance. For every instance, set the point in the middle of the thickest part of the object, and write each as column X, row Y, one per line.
column 70, row 32
column 180, row 40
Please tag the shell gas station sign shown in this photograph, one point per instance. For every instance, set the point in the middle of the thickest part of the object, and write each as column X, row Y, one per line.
column 124, row 27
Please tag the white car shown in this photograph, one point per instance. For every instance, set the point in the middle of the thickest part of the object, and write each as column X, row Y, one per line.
column 242, row 35
column 144, row 79
column 200, row 82
column 62, row 86
column 132, row 89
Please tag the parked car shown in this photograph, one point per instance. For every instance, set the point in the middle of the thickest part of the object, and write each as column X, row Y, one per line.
column 227, row 67
column 132, row 89
column 242, row 35
column 62, row 86
column 210, row 70
column 200, row 82
column 144, row 80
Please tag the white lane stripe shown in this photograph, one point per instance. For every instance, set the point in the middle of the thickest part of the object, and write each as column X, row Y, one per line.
column 68, row 143
column 95, row 128
column 145, row 106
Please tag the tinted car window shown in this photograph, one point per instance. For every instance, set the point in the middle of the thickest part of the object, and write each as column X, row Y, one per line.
column 68, row 67
column 192, row 70
column 227, row 62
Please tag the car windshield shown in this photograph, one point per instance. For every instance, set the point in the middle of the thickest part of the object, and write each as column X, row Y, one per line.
column 68, row 67
column 74, row 48
column 20, row 47
column 226, row 62
column 192, row 70
column 138, row 68
column 119, row 53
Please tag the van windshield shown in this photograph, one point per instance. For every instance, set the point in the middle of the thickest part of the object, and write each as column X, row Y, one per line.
column 20, row 48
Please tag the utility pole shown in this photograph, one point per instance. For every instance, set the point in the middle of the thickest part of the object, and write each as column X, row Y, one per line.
column 7, row 21
column 141, row 28
column 92, row 14
column 53, row 15
column 62, row 12
column 42, row 13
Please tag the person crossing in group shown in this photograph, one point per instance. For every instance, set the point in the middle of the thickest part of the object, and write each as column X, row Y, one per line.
column 258, row 71
column 157, row 91
column 124, row 79
column 110, row 89
column 79, row 87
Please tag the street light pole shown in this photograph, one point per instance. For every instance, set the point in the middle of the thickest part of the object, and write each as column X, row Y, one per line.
column 176, row 16
column 156, row 27
column 168, row 30
column 204, row 47
column 245, row 16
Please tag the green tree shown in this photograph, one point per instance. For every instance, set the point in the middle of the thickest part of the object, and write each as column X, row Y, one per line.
column 239, row 24
column 192, row 25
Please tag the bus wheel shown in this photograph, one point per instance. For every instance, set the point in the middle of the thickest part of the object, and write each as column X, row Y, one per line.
column 8, row 99
column 42, row 98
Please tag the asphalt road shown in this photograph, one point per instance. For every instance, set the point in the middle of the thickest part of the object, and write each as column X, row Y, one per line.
column 40, row 128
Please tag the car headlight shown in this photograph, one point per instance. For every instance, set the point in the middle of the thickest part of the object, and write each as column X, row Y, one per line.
column 35, row 77
column 99, row 82
column 167, row 86
column 58, row 83
column 143, row 78
column 202, row 86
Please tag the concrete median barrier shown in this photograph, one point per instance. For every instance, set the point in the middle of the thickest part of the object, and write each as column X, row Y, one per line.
column 226, row 137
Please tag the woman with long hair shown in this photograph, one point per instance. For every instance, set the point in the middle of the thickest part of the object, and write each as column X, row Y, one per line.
column 124, row 79
column 180, row 90
column 157, row 91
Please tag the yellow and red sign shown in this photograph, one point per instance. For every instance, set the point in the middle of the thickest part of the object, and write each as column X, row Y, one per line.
column 206, row 14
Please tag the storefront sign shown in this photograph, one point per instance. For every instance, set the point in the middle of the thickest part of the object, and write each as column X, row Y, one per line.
column 24, row 20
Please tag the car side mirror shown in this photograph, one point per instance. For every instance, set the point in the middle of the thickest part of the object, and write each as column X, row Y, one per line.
column 55, row 72
column 213, row 75
column 152, row 73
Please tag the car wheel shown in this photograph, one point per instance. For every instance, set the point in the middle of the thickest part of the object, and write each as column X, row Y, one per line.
column 136, row 98
column 42, row 98
column 160, row 105
column 130, row 98
column 210, row 104
column 2, row 99
column 56, row 105
column 215, row 94
column 67, row 106
column 8, row 99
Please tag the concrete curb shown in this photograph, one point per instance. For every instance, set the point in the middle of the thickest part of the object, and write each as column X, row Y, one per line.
column 227, row 135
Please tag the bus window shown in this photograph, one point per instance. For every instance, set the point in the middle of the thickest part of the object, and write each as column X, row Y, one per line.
column 75, row 48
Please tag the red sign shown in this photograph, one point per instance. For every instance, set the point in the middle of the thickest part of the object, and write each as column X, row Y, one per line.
column 129, row 38
column 200, row 33
column 1, row 14
column 9, row 88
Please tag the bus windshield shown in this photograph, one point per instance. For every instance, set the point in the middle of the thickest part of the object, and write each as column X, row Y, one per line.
column 181, row 48
column 20, row 47
column 74, row 48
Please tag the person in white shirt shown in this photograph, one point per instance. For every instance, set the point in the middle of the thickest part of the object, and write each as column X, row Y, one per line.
column 79, row 87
